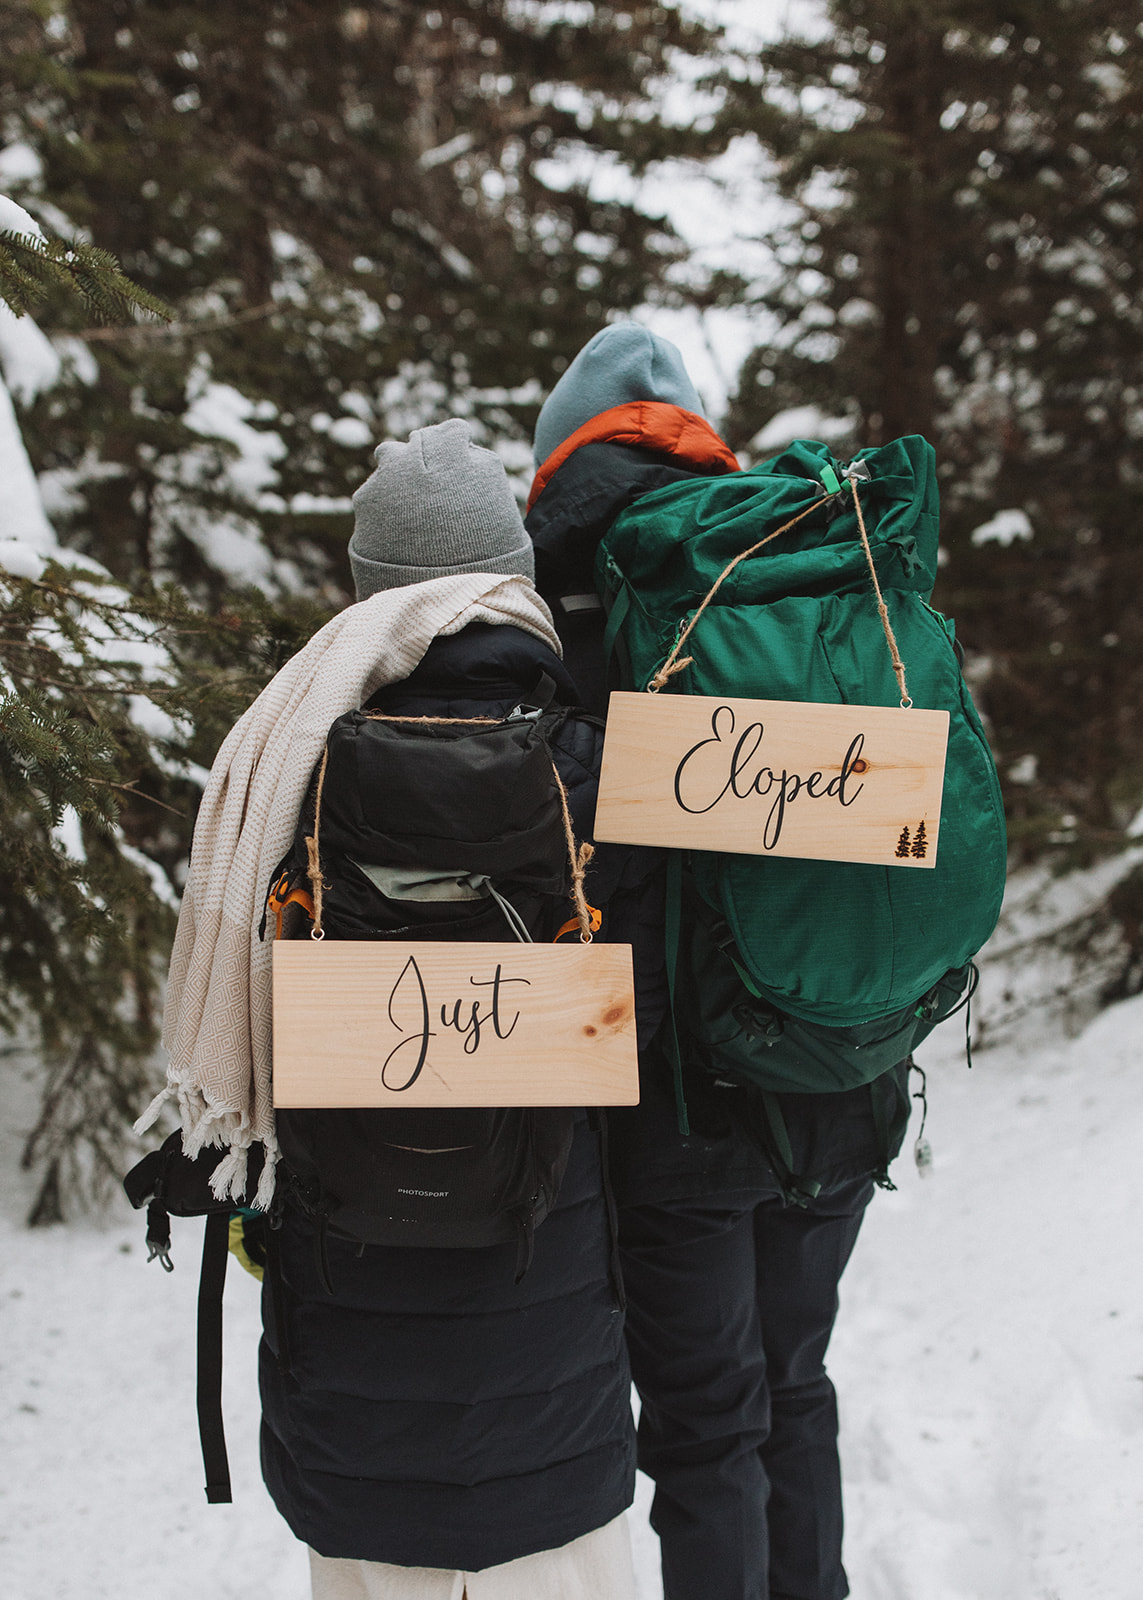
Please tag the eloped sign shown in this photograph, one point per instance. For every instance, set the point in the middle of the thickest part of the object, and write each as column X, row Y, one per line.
column 773, row 777
column 414, row 1023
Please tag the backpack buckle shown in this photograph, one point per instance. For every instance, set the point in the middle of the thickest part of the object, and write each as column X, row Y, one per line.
column 765, row 1026
column 927, row 1007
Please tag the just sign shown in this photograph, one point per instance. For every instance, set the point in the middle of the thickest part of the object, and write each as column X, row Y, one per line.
column 773, row 777
column 392, row 1022
column 411, row 1014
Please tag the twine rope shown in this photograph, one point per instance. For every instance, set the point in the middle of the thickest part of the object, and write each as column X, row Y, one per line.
column 579, row 863
column 463, row 722
column 673, row 664
column 313, row 864
column 882, row 608
column 578, row 857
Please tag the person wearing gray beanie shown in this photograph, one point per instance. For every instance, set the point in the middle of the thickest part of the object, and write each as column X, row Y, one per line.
column 406, row 1473
column 435, row 506
column 623, row 362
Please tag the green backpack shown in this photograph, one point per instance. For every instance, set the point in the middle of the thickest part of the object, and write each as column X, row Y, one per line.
column 794, row 974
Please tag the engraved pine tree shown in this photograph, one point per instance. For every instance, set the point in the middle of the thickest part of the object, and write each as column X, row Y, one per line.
column 920, row 842
column 903, row 844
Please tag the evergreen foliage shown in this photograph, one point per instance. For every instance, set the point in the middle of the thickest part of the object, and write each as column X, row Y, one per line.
column 369, row 217
column 962, row 259
column 366, row 218
column 30, row 268
column 111, row 702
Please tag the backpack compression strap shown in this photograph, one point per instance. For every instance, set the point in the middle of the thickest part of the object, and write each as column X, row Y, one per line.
column 672, row 929
column 572, row 925
column 215, row 1249
column 281, row 896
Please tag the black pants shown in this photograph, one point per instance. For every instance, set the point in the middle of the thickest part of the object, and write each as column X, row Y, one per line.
column 731, row 1303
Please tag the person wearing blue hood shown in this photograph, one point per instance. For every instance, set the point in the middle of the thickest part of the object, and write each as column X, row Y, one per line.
column 732, row 1291
column 624, row 419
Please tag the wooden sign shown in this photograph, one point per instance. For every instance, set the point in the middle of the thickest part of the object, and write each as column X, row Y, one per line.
column 413, row 1023
column 773, row 777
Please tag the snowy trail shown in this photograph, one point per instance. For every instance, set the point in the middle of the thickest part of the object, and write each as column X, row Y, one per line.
column 989, row 1353
column 989, row 1358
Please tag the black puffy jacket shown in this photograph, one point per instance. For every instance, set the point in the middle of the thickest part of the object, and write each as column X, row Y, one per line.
column 432, row 1411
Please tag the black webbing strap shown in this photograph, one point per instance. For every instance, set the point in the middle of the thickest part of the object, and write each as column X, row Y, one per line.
column 597, row 1118
column 543, row 691
column 215, row 1248
column 879, row 1091
column 672, row 928
column 525, row 1244
column 796, row 1190
column 615, row 619
column 273, row 1276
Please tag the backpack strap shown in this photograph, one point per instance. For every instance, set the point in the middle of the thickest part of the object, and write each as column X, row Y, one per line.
column 597, row 1119
column 620, row 606
column 774, row 1137
column 212, row 1436
column 922, row 1149
column 543, row 691
column 159, row 1234
column 277, row 1290
column 672, row 928
column 879, row 1099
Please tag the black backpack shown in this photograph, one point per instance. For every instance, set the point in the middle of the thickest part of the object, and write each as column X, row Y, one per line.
column 427, row 828
column 413, row 828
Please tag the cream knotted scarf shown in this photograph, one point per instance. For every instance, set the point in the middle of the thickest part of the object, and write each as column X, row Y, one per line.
column 217, row 1022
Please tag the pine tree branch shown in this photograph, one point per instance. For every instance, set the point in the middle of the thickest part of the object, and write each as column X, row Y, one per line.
column 173, row 330
column 79, row 685
column 30, row 268
column 139, row 794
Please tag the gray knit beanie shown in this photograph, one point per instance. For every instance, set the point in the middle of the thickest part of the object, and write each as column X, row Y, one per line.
column 435, row 506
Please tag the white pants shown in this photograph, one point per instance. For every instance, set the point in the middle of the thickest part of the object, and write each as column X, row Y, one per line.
column 596, row 1567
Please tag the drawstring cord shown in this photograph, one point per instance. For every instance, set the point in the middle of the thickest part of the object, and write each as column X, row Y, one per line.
column 922, row 1149
column 511, row 916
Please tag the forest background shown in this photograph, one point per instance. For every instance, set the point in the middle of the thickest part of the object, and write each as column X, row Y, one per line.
column 888, row 217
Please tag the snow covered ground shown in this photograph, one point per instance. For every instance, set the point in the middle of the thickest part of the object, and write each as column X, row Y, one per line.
column 989, row 1357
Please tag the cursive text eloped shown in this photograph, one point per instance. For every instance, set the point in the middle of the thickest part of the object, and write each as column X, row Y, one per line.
column 744, row 780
